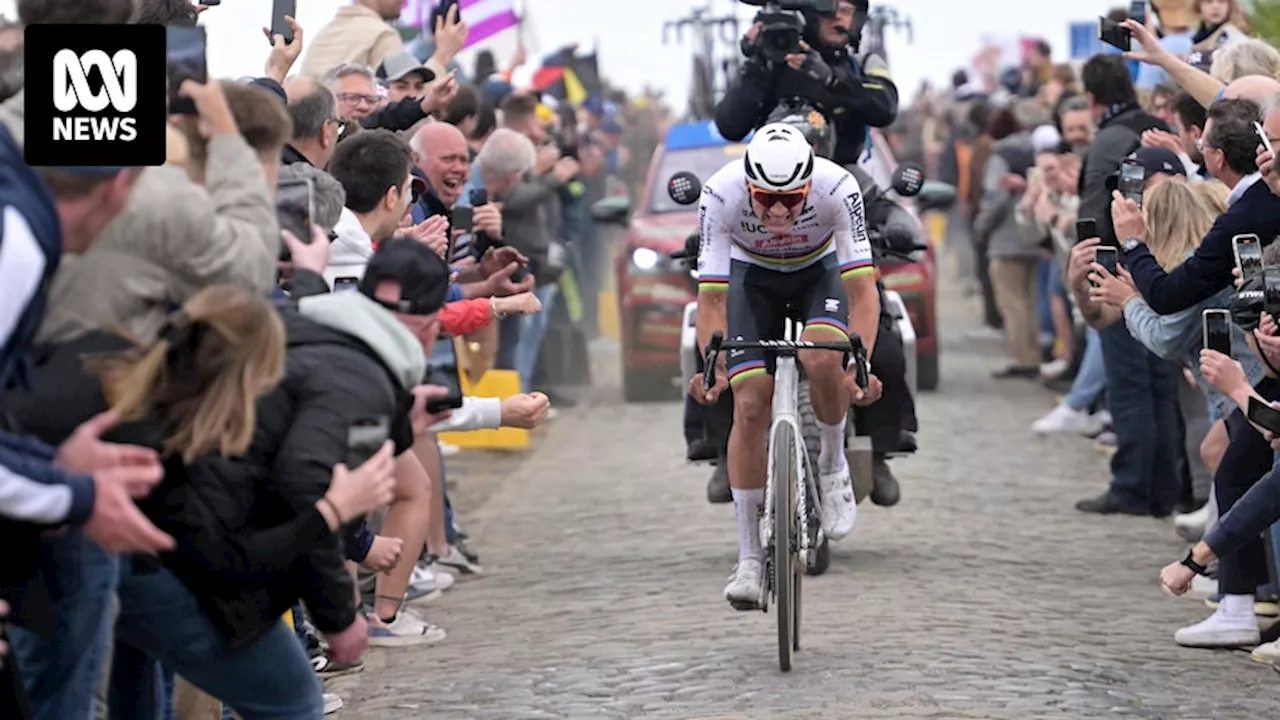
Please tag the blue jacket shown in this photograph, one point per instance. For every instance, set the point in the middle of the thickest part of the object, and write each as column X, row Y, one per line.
column 1209, row 269
column 31, row 488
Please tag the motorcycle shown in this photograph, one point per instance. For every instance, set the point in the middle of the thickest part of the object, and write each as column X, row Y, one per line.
column 685, row 189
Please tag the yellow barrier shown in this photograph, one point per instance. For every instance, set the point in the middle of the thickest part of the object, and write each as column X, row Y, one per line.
column 494, row 383
column 607, row 315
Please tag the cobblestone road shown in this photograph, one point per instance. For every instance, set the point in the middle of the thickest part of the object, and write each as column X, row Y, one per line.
column 982, row 595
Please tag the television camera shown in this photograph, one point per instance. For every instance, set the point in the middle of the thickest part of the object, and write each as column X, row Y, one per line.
column 782, row 25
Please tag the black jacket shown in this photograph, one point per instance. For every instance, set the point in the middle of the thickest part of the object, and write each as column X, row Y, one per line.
column 396, row 116
column 1117, row 137
column 853, row 102
column 250, row 542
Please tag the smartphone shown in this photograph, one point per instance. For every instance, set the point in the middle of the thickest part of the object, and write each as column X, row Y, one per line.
column 365, row 439
column 279, row 9
column 186, row 61
column 1248, row 251
column 1133, row 180
column 440, row 404
column 295, row 204
column 1107, row 257
column 345, row 284
column 1113, row 34
column 1138, row 11
column 1086, row 228
column 1262, row 135
column 461, row 219
column 1217, row 330
column 1263, row 415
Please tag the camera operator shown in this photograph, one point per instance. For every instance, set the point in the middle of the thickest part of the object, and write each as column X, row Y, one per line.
column 853, row 91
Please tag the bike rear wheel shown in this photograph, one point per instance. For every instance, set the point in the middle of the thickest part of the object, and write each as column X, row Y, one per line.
column 785, row 571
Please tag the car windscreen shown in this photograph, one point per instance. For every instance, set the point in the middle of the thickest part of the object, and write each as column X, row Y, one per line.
column 702, row 162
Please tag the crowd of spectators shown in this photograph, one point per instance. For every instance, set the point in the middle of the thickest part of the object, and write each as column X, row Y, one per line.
column 1037, row 156
column 209, row 423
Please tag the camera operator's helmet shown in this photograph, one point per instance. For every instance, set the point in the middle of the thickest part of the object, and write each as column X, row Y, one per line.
column 778, row 159
column 810, row 122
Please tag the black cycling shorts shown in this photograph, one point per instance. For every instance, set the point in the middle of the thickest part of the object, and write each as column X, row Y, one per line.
column 762, row 300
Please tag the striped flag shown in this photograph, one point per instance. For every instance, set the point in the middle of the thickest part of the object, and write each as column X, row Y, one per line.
column 486, row 18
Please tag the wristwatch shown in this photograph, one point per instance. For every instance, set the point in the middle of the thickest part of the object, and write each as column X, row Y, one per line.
column 1189, row 562
column 1130, row 245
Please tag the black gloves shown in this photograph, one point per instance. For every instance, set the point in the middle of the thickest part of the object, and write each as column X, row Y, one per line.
column 816, row 68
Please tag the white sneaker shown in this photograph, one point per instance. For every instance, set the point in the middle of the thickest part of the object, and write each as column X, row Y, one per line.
column 456, row 564
column 449, row 450
column 332, row 703
column 1220, row 630
column 1190, row 526
column 837, row 511
column 745, row 590
column 1267, row 654
column 1103, row 417
column 1054, row 369
column 407, row 629
column 1063, row 419
column 429, row 580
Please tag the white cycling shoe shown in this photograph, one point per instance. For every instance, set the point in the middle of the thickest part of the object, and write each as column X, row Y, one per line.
column 745, row 590
column 838, row 511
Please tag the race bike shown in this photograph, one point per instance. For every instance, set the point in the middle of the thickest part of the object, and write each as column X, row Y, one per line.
column 684, row 188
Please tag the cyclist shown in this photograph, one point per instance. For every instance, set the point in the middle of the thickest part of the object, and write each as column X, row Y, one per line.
column 783, row 234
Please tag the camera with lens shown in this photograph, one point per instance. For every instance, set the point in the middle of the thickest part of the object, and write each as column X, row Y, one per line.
column 782, row 25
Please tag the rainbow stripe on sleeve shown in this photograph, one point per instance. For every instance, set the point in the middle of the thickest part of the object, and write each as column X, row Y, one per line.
column 855, row 268
column 713, row 283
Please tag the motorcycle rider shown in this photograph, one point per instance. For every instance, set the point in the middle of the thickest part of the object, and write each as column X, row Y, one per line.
column 853, row 90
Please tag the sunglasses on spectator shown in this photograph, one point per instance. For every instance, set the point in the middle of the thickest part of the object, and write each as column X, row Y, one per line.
column 789, row 200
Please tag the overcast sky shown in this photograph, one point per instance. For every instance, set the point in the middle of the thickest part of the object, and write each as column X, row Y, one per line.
column 946, row 33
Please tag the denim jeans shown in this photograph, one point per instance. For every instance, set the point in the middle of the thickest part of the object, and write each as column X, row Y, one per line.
column 520, row 338
column 62, row 674
column 1247, row 460
column 1091, row 378
column 1044, row 288
column 1143, row 403
column 268, row 679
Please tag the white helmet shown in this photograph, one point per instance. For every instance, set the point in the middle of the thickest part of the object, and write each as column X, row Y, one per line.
column 778, row 159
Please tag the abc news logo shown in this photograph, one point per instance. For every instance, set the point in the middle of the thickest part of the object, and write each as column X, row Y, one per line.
column 95, row 95
column 71, row 91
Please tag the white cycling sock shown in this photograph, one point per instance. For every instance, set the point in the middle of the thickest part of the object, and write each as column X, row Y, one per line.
column 747, row 505
column 831, row 455
column 1237, row 606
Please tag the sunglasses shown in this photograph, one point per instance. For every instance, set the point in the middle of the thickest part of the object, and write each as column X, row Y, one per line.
column 788, row 200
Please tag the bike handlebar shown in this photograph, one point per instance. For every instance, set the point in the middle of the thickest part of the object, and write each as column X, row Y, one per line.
column 718, row 343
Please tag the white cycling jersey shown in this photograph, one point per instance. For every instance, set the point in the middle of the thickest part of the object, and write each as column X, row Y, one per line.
column 832, row 222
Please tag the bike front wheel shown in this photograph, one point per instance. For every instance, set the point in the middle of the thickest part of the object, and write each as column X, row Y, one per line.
column 785, row 568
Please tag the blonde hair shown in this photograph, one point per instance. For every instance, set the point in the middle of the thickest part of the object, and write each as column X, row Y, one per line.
column 1242, row 59
column 203, row 377
column 1178, row 217
column 1214, row 194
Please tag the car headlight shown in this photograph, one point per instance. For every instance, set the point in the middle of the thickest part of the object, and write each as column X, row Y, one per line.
column 645, row 259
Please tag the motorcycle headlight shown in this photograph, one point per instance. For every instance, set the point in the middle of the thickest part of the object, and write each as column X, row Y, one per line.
column 645, row 259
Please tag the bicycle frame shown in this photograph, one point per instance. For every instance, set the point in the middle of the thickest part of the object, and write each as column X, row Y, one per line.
column 786, row 387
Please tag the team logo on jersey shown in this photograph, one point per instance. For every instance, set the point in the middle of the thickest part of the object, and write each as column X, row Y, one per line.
column 857, row 219
column 831, row 305
column 752, row 227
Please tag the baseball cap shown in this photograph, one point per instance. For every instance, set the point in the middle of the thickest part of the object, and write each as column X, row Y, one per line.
column 1045, row 138
column 1158, row 160
column 397, row 66
column 422, row 274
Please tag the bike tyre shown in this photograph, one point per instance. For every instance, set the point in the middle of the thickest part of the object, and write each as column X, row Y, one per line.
column 785, row 581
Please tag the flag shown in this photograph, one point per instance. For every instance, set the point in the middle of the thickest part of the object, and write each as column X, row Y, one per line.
column 486, row 18
column 560, row 83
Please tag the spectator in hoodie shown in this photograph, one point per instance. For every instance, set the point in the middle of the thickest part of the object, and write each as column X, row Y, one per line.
column 211, row 222
column 313, row 112
column 373, row 169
